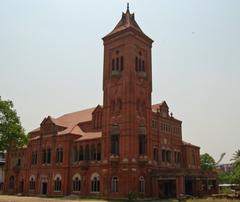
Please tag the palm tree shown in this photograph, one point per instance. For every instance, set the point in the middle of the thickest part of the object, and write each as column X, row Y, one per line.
column 236, row 157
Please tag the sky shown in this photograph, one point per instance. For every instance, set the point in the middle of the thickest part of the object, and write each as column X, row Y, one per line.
column 51, row 61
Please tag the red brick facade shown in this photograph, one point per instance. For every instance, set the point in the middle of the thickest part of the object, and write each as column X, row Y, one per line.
column 125, row 145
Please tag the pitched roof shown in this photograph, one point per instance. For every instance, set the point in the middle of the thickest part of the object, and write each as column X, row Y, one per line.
column 155, row 107
column 127, row 21
column 70, row 120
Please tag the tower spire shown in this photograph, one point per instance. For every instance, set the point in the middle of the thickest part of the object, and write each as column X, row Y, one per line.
column 128, row 7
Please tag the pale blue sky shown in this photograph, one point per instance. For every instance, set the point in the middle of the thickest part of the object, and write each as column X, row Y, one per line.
column 51, row 60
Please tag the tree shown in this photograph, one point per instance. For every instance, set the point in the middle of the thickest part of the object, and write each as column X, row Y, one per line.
column 207, row 162
column 11, row 131
column 236, row 157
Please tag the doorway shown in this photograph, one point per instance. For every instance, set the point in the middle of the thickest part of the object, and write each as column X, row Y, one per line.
column 167, row 188
column 44, row 188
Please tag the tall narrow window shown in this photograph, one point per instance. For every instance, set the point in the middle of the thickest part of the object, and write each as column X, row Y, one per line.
column 81, row 154
column 139, row 65
column 93, row 152
column 117, row 64
column 48, row 156
column 141, row 184
column 76, row 183
column 95, row 183
column 11, row 182
column 115, row 140
column 75, row 154
column 99, row 152
column 169, row 156
column 44, row 156
column 163, row 155
column 57, row 184
column 59, row 155
column 136, row 64
column 142, row 141
column 113, row 64
column 121, row 67
column 87, row 153
column 115, row 184
column 155, row 154
column 143, row 66
column 32, row 183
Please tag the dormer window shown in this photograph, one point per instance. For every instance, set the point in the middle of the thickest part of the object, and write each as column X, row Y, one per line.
column 117, row 64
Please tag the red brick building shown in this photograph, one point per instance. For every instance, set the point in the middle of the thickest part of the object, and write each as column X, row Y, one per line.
column 124, row 145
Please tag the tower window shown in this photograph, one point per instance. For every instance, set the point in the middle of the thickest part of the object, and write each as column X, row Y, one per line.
column 87, row 153
column 113, row 64
column 142, row 145
column 80, row 156
column 115, row 140
column 136, row 64
column 117, row 64
column 121, row 64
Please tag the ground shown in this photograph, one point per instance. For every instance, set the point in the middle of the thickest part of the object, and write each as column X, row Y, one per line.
column 5, row 198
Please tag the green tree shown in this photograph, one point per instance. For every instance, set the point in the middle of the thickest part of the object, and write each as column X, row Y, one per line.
column 11, row 131
column 236, row 157
column 207, row 162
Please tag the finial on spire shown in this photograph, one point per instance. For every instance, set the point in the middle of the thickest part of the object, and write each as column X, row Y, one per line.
column 127, row 7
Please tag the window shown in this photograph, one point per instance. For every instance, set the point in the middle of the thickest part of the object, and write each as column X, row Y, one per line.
column 75, row 154
column 87, row 153
column 34, row 158
column 142, row 145
column 32, row 183
column 163, row 155
column 141, row 184
column 115, row 140
column 59, row 155
column 115, row 144
column 155, row 154
column 99, row 152
column 11, row 182
column 121, row 68
column 168, row 155
column 95, row 183
column 93, row 152
column 49, row 156
column 58, row 183
column 177, row 157
column 115, row 184
column 76, row 183
column 44, row 156
column 81, row 154
column 19, row 162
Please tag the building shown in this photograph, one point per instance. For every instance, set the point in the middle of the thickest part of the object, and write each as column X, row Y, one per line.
column 124, row 145
column 2, row 163
column 227, row 167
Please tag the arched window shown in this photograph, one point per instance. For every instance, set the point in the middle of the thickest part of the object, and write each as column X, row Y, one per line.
column 99, row 151
column 11, row 182
column 93, row 152
column 87, row 153
column 141, row 184
column 32, row 182
column 81, row 154
column 122, row 63
column 95, row 183
column 76, row 183
column 57, row 183
column 59, row 155
column 115, row 140
column 115, row 184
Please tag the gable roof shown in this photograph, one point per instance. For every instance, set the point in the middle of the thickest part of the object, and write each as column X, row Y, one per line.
column 155, row 107
column 70, row 120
